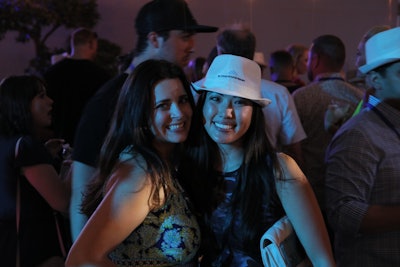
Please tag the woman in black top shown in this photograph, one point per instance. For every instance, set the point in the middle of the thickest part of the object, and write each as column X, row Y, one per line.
column 25, row 114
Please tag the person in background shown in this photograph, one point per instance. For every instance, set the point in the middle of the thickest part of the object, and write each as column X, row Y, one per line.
column 328, row 91
column 362, row 176
column 283, row 126
column 194, row 69
column 359, row 81
column 260, row 59
column 210, row 57
column 360, row 55
column 281, row 68
column 27, row 221
column 239, row 184
column 300, row 58
column 72, row 81
column 165, row 30
column 139, row 215
column 124, row 61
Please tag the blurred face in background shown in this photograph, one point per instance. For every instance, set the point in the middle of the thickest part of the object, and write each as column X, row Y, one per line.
column 360, row 55
column 310, row 65
column 301, row 63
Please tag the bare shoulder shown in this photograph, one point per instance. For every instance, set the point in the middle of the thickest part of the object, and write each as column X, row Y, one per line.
column 130, row 172
column 290, row 169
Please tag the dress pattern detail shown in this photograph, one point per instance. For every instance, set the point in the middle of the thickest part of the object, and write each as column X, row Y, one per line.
column 168, row 236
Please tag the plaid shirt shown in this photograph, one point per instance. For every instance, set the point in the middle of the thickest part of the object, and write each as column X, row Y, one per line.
column 363, row 169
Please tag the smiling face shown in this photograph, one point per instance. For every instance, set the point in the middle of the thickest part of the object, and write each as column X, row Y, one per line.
column 41, row 107
column 226, row 118
column 172, row 113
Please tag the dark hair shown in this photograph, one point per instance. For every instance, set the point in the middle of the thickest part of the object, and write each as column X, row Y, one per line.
column 280, row 59
column 130, row 128
column 237, row 40
column 82, row 36
column 296, row 51
column 255, row 181
column 210, row 58
column 331, row 49
column 124, row 61
column 194, row 70
column 16, row 95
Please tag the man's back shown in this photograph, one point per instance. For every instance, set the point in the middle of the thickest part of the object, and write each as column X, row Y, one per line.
column 71, row 82
column 312, row 102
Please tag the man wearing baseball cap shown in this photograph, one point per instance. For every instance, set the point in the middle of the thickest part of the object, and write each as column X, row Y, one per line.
column 363, row 170
column 165, row 30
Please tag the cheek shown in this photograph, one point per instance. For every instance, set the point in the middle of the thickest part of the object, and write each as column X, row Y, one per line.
column 35, row 110
column 246, row 115
column 208, row 111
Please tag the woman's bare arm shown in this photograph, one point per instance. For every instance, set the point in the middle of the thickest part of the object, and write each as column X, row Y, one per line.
column 302, row 208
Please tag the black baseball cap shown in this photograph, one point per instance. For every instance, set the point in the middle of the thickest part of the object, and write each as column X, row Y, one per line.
column 166, row 15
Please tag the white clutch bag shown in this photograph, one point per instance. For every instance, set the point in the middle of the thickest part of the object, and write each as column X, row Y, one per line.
column 281, row 247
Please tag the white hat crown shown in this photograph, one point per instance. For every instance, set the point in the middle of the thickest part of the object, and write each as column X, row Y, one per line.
column 382, row 48
column 236, row 76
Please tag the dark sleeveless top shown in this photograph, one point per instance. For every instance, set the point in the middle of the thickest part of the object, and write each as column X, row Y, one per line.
column 233, row 252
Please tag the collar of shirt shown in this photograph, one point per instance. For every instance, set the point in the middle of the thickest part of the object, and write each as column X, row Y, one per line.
column 329, row 76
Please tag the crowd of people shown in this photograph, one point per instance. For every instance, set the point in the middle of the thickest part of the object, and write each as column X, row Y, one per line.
column 187, row 162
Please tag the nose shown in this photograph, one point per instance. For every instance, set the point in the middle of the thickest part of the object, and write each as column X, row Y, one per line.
column 51, row 101
column 176, row 111
column 226, row 108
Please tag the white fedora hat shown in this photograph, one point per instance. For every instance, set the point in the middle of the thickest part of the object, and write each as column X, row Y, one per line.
column 235, row 76
column 382, row 48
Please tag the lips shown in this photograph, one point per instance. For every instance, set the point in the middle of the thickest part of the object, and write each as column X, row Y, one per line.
column 224, row 126
column 176, row 126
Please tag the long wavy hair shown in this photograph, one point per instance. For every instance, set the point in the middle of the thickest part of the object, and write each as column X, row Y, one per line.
column 16, row 95
column 255, row 180
column 130, row 127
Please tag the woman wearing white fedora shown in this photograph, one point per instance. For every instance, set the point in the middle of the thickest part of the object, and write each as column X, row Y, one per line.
column 363, row 170
column 239, row 185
